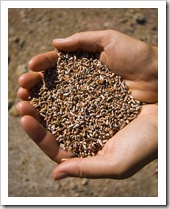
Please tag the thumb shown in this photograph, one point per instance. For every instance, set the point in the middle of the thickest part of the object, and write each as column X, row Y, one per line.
column 90, row 167
column 88, row 41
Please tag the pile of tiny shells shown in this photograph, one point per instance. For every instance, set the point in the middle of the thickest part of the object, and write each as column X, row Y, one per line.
column 83, row 103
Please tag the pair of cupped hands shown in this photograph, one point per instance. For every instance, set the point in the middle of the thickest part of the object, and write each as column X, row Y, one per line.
column 131, row 148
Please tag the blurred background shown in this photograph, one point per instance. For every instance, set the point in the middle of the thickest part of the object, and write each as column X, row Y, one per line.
column 30, row 33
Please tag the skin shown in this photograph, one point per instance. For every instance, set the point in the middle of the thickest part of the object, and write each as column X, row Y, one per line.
column 132, row 147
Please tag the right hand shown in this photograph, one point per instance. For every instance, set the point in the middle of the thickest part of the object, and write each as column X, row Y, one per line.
column 130, row 58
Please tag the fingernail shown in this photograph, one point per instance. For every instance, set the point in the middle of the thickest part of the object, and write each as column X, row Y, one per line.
column 30, row 64
column 60, row 176
column 64, row 159
column 58, row 40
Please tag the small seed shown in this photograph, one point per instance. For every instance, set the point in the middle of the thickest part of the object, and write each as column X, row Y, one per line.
column 83, row 103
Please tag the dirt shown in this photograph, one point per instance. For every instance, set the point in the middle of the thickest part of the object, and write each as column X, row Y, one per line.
column 31, row 32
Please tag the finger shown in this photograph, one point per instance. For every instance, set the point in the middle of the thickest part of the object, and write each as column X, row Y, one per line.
column 23, row 93
column 25, row 108
column 44, row 61
column 43, row 138
column 91, row 167
column 29, row 80
column 89, row 41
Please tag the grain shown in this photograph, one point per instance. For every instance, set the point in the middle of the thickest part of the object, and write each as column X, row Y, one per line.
column 83, row 103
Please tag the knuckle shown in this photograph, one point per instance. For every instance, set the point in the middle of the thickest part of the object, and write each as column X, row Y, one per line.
column 77, row 35
column 81, row 171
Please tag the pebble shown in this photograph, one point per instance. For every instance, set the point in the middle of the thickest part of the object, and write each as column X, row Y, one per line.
column 12, row 107
column 140, row 19
column 13, row 111
column 84, row 182
column 73, row 186
column 10, row 103
column 9, row 59
column 21, row 69
column 15, row 39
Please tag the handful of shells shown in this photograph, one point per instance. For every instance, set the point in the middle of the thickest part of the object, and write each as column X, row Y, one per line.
column 83, row 103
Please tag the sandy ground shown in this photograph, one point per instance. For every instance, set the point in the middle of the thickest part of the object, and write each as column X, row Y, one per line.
column 30, row 33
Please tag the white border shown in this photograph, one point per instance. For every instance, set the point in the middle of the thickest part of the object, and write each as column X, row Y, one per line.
column 161, row 199
column 82, row 4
